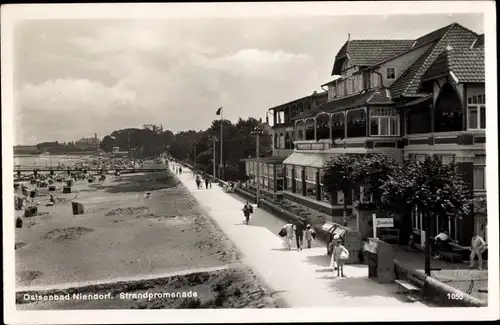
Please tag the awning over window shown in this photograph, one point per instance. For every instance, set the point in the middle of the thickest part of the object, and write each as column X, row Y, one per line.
column 306, row 159
column 327, row 226
column 334, row 228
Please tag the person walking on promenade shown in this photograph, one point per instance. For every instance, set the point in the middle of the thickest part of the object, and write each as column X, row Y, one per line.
column 198, row 181
column 247, row 210
column 339, row 255
column 180, row 170
column 299, row 228
column 289, row 235
column 477, row 248
column 309, row 235
column 207, row 181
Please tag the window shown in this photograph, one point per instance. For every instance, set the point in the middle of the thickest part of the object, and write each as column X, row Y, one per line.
column 419, row 119
column 310, row 129
column 416, row 218
column 447, row 159
column 356, row 123
column 416, row 157
column 298, row 173
column 289, row 179
column 479, row 177
column 476, row 112
column 311, row 175
column 384, row 122
column 298, row 179
column 350, row 85
column 390, row 73
column 323, row 126
column 331, row 92
column 311, row 190
column 279, row 171
column 448, row 110
column 282, row 141
column 338, row 126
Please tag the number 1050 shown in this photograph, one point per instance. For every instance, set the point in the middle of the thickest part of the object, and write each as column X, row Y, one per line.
column 455, row 296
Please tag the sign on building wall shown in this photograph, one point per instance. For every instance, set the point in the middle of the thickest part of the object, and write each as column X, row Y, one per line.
column 310, row 146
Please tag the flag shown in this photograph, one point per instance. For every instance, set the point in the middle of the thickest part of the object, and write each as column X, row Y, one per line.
column 219, row 111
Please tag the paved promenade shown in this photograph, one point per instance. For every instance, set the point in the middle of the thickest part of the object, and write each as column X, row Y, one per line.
column 298, row 278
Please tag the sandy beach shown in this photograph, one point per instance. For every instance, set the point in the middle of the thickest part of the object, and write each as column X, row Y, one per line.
column 124, row 234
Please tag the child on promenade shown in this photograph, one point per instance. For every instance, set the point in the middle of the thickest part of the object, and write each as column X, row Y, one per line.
column 339, row 256
column 310, row 235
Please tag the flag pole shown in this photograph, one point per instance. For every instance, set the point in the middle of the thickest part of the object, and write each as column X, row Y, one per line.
column 221, row 142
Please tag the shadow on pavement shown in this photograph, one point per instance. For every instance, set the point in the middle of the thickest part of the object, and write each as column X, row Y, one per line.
column 284, row 249
column 361, row 287
column 319, row 260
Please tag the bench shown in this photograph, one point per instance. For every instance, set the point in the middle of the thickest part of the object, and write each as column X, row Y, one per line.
column 453, row 257
column 409, row 289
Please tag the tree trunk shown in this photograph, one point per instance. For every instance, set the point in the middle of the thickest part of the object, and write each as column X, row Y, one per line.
column 428, row 242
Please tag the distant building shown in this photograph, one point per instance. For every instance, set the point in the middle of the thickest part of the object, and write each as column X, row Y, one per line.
column 115, row 149
column 88, row 143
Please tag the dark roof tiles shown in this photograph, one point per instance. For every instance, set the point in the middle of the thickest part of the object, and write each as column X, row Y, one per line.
column 369, row 52
column 432, row 36
column 466, row 64
column 456, row 37
column 479, row 41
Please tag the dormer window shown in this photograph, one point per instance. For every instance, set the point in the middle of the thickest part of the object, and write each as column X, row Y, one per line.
column 390, row 73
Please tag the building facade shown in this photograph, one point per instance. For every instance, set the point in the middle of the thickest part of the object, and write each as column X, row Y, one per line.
column 404, row 98
column 88, row 144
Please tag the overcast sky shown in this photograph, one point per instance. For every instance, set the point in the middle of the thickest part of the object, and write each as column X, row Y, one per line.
column 74, row 78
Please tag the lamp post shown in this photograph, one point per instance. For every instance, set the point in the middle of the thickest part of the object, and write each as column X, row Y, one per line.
column 257, row 131
column 214, row 139
column 194, row 166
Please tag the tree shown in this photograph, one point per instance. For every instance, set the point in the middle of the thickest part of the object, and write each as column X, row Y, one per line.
column 371, row 171
column 107, row 143
column 338, row 175
column 433, row 188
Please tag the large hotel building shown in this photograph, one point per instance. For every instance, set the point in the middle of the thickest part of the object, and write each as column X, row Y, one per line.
column 405, row 98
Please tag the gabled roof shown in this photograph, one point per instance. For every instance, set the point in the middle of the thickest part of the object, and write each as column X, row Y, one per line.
column 408, row 84
column 421, row 41
column 432, row 36
column 399, row 87
column 479, row 41
column 369, row 52
column 467, row 65
column 370, row 97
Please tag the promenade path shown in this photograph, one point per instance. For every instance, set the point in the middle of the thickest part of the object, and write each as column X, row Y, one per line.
column 297, row 278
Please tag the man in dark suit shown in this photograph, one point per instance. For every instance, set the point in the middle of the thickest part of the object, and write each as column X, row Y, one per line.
column 299, row 228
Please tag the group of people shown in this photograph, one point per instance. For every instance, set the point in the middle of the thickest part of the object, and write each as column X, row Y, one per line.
column 206, row 179
column 178, row 170
column 300, row 230
column 442, row 242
